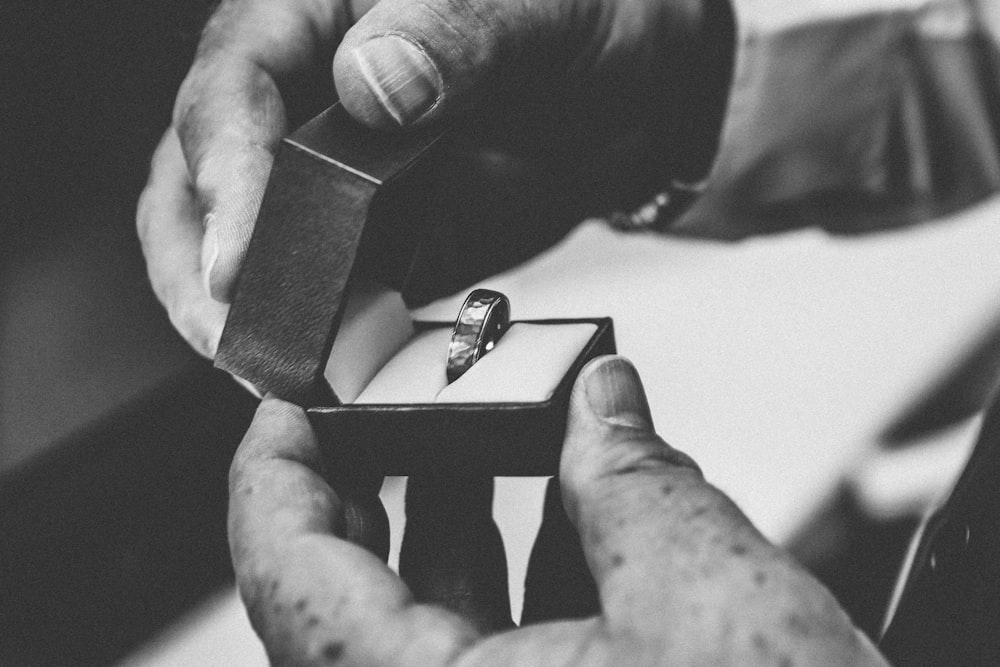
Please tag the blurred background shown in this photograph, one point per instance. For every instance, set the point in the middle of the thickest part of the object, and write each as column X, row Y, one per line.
column 114, row 437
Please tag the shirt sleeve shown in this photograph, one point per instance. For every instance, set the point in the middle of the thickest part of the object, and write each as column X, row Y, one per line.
column 854, row 115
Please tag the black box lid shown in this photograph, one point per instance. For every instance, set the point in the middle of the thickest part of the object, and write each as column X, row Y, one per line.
column 336, row 207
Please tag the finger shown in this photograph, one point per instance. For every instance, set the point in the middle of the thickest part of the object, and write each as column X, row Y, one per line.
column 312, row 597
column 170, row 233
column 672, row 556
column 558, row 584
column 407, row 62
column 452, row 553
column 230, row 115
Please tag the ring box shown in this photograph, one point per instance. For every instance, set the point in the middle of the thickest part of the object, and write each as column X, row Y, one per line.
column 318, row 319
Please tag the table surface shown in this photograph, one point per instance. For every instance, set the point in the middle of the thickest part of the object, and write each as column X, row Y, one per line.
column 775, row 362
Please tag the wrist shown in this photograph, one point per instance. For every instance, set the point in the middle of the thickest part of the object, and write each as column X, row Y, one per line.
column 680, row 98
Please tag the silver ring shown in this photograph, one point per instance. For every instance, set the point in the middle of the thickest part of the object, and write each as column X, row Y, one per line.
column 484, row 318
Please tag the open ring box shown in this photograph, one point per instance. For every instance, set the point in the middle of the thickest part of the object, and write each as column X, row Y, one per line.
column 318, row 319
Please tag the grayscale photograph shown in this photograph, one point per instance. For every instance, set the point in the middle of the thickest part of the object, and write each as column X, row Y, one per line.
column 500, row 333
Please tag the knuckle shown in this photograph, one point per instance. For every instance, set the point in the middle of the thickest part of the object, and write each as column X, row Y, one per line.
column 472, row 22
column 161, row 288
column 179, row 318
column 648, row 458
column 214, row 167
column 219, row 29
column 625, row 462
column 146, row 206
column 638, row 457
column 438, row 637
column 239, row 469
column 188, row 96
column 188, row 321
column 163, row 283
column 197, row 92
column 143, row 212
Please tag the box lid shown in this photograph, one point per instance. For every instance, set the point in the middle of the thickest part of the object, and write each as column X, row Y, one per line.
column 337, row 208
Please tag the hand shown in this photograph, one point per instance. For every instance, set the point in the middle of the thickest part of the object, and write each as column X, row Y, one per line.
column 407, row 63
column 683, row 576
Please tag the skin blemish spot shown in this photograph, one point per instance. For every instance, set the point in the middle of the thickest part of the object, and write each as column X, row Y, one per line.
column 797, row 625
column 333, row 651
column 300, row 604
column 760, row 642
column 738, row 549
column 698, row 511
column 312, row 621
column 617, row 560
column 759, row 578
column 666, row 489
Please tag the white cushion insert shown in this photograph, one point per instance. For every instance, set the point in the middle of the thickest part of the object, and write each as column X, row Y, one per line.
column 414, row 375
column 374, row 327
column 526, row 365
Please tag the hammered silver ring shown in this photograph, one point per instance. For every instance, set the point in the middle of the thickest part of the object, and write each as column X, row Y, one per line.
column 483, row 319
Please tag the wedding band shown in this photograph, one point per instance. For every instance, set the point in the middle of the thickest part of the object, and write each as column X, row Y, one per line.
column 484, row 318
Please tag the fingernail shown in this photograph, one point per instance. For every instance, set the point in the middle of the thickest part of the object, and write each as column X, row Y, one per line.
column 615, row 394
column 209, row 257
column 400, row 75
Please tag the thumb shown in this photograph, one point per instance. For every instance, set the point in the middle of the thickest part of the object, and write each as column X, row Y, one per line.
column 610, row 429
column 410, row 61
column 673, row 558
